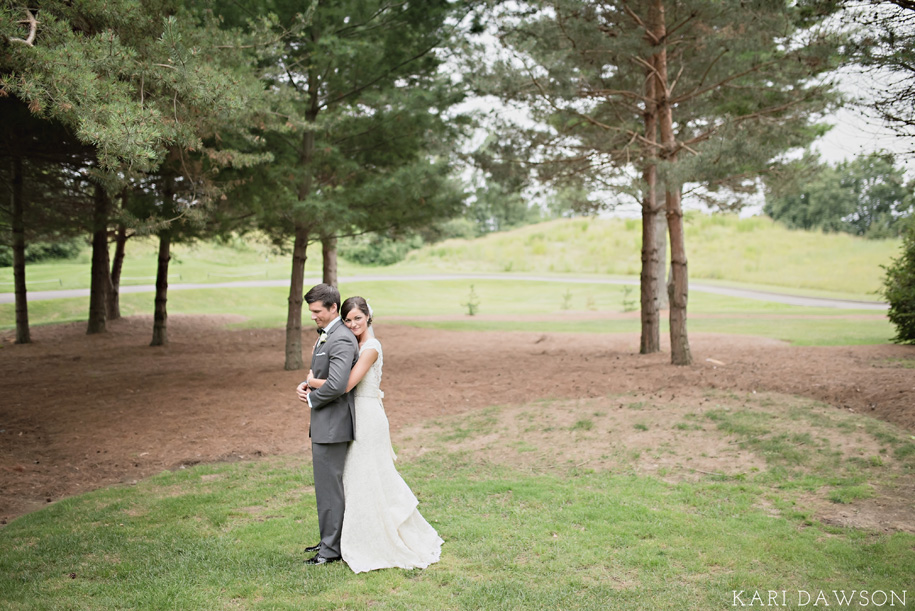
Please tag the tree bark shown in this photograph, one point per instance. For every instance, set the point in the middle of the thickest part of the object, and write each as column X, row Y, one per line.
column 300, row 245
column 678, row 292
column 23, row 335
column 100, row 278
column 663, row 267
column 649, row 281
column 117, row 264
column 296, row 297
column 679, row 285
column 329, row 258
column 160, row 315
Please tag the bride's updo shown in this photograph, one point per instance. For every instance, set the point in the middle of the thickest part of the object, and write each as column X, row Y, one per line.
column 356, row 302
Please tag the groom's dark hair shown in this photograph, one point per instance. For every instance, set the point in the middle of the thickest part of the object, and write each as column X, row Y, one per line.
column 328, row 295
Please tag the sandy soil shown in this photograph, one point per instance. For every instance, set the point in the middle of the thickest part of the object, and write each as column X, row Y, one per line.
column 80, row 412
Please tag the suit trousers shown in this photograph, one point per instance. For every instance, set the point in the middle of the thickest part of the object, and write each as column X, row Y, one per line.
column 327, row 461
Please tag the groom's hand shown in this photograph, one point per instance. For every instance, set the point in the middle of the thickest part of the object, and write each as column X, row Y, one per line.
column 302, row 391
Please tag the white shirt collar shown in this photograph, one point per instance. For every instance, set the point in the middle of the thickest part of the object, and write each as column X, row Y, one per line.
column 331, row 324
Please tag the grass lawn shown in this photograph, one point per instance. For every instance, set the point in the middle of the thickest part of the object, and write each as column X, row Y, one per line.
column 721, row 248
column 528, row 524
column 520, row 533
column 519, row 305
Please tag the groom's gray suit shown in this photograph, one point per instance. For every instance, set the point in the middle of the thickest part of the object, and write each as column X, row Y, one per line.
column 333, row 413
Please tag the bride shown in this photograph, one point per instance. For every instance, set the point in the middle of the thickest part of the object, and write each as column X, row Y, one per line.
column 382, row 527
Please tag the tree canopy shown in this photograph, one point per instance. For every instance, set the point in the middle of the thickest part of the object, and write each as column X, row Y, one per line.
column 867, row 196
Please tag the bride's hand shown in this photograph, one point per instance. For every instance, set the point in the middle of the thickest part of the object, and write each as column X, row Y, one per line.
column 311, row 378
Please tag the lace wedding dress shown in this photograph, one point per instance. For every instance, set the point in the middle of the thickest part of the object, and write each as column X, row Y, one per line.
column 382, row 527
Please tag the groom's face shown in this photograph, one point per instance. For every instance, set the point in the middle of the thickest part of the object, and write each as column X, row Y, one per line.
column 321, row 315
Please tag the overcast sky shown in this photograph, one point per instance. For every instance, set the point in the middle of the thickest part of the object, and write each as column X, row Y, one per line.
column 855, row 134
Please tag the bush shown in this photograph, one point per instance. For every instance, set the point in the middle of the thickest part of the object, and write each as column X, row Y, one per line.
column 68, row 249
column 899, row 288
column 375, row 249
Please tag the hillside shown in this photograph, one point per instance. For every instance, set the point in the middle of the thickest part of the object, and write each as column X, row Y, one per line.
column 725, row 248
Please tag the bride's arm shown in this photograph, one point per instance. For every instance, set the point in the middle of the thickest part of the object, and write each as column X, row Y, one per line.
column 366, row 360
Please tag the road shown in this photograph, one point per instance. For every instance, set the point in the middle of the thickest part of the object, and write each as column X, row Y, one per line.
column 693, row 286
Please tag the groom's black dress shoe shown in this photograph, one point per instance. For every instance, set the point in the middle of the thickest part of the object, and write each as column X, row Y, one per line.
column 319, row 559
column 313, row 548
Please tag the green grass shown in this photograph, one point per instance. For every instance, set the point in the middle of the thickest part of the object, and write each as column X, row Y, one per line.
column 720, row 248
column 202, row 262
column 230, row 536
column 438, row 304
column 803, row 263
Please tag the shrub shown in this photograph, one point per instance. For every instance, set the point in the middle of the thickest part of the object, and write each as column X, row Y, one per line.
column 899, row 288
column 376, row 249
column 68, row 249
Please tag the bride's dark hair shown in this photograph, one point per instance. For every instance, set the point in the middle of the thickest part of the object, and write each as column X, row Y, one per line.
column 356, row 302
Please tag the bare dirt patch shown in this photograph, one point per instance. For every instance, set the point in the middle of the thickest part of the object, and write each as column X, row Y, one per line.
column 79, row 412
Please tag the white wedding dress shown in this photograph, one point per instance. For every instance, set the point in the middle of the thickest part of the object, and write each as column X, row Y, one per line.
column 382, row 527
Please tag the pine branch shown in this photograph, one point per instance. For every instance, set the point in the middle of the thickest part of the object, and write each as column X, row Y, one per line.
column 383, row 9
column 638, row 20
column 33, row 29
column 392, row 70
column 696, row 92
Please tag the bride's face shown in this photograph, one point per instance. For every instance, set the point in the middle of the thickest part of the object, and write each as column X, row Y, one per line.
column 356, row 321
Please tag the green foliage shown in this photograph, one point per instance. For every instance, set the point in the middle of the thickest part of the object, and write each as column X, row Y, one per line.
column 899, row 289
column 866, row 196
column 130, row 78
column 741, row 96
column 36, row 252
column 473, row 302
column 366, row 143
column 494, row 208
column 377, row 249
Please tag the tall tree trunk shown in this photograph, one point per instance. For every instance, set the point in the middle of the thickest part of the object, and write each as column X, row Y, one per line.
column 160, row 315
column 160, row 312
column 329, row 258
column 649, row 281
column 663, row 267
column 296, row 297
column 679, row 284
column 117, row 264
column 100, row 279
column 679, row 342
column 23, row 335
column 296, row 288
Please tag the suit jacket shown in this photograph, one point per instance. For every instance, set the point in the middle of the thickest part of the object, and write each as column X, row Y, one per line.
column 333, row 412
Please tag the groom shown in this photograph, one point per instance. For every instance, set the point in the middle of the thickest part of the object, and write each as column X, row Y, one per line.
column 332, row 416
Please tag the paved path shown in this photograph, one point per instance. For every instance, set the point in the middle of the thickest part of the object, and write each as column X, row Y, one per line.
column 693, row 286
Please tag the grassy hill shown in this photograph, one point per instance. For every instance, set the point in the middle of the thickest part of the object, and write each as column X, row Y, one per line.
column 725, row 250
column 720, row 248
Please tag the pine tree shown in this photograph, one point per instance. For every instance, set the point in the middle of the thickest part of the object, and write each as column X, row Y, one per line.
column 671, row 91
column 144, row 84
column 365, row 146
